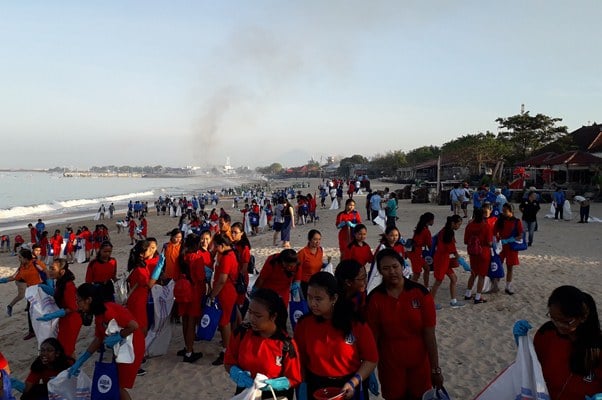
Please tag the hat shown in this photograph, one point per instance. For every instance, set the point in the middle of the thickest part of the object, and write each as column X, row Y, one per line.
column 498, row 190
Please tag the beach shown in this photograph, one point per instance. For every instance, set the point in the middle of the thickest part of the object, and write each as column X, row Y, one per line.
column 475, row 342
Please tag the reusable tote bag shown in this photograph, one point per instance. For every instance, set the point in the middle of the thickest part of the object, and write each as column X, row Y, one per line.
column 159, row 335
column 208, row 324
column 105, row 381
column 496, row 269
column 297, row 308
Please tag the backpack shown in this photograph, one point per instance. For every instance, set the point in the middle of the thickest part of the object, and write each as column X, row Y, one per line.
column 474, row 247
column 182, row 290
column 240, row 285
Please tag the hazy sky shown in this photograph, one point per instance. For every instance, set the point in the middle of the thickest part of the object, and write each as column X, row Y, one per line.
column 191, row 82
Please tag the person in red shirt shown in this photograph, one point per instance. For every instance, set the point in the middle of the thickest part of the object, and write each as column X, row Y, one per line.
column 336, row 348
column 421, row 241
column 225, row 275
column 312, row 207
column 358, row 249
column 51, row 361
column 33, row 233
column 70, row 322
column 92, row 305
column 132, row 231
column 281, row 273
column 352, row 280
column 242, row 248
column 345, row 222
column 478, row 230
column 508, row 227
column 401, row 314
column 70, row 245
column 264, row 346
column 44, row 246
column 310, row 258
column 445, row 259
column 171, row 251
column 143, row 229
column 86, row 235
column 56, row 241
column 103, row 270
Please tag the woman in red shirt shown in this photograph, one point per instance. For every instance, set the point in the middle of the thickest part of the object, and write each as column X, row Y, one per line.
column 401, row 314
column 92, row 305
column 337, row 349
column 44, row 246
column 478, row 231
column 310, row 258
column 508, row 228
column 56, row 241
column 445, row 260
column 346, row 221
column 422, row 240
column 51, row 361
column 242, row 247
column 264, row 346
column 103, row 270
column 358, row 249
column 226, row 273
column 70, row 246
column 70, row 322
column 281, row 273
column 352, row 279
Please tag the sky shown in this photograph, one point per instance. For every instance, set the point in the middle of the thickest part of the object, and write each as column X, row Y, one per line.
column 179, row 83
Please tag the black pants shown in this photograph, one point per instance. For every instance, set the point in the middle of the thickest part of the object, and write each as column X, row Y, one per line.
column 29, row 318
column 559, row 212
column 584, row 214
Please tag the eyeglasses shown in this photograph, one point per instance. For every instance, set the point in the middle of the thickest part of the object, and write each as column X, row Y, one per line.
column 562, row 324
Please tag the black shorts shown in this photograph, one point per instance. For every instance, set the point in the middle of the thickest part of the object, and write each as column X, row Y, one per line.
column 278, row 226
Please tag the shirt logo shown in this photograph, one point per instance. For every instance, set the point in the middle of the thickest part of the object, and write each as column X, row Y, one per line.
column 279, row 361
column 416, row 304
column 350, row 339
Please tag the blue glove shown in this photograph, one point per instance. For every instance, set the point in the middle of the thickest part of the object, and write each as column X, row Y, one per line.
column 50, row 316
column 597, row 396
column 241, row 378
column 521, row 328
column 113, row 339
column 373, row 384
column 18, row 385
column 295, row 287
column 342, row 224
column 158, row 268
column 278, row 384
column 74, row 370
column 50, row 282
column 351, row 224
column 208, row 273
column 3, row 280
column 46, row 289
column 509, row 240
column 464, row 264
column 302, row 391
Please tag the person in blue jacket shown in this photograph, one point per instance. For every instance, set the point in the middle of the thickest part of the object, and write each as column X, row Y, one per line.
column 559, row 199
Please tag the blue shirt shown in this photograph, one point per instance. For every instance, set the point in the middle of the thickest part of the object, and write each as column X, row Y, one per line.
column 559, row 198
column 375, row 202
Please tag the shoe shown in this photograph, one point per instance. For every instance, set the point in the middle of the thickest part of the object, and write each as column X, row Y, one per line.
column 467, row 298
column 457, row 304
column 194, row 357
column 480, row 301
column 144, row 360
column 9, row 311
column 509, row 291
column 438, row 307
column 219, row 360
column 181, row 353
column 141, row 372
column 30, row 335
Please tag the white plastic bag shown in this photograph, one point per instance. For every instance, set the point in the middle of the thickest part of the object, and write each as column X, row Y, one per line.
column 41, row 303
column 159, row 335
column 567, row 213
column 254, row 392
column 121, row 289
column 124, row 351
column 380, row 221
column 334, row 205
column 522, row 380
column 61, row 387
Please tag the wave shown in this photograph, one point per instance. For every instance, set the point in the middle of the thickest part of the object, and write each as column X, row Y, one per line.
column 67, row 206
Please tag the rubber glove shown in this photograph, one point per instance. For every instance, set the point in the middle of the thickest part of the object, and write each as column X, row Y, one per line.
column 241, row 378
column 46, row 289
column 597, row 396
column 3, row 280
column 373, row 384
column 50, row 282
column 302, row 391
column 464, row 264
column 521, row 328
column 278, row 384
column 50, row 316
column 18, row 385
column 208, row 273
column 509, row 240
column 74, row 370
column 295, row 287
column 342, row 224
column 159, row 267
column 113, row 339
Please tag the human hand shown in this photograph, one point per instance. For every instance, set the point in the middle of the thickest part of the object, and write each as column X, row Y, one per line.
column 46, row 289
column 208, row 273
column 521, row 328
column 597, row 396
column 50, row 316
column 437, row 380
column 18, row 385
column 295, row 287
column 113, row 339
column 342, row 224
column 373, row 384
column 507, row 241
column 74, row 370
column 278, row 384
column 348, row 390
column 158, row 268
column 241, row 378
column 3, row 280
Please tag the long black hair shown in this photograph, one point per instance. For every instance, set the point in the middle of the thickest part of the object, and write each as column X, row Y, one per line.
column 61, row 282
column 448, row 231
column 356, row 229
column 423, row 222
column 61, row 361
column 587, row 346
column 499, row 224
column 478, row 215
column 347, row 270
column 191, row 245
column 383, row 236
column 244, row 239
column 136, row 257
column 94, row 292
column 275, row 305
column 342, row 314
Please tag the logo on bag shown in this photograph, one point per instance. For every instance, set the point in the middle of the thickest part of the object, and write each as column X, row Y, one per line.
column 205, row 321
column 297, row 314
column 105, row 383
column 494, row 267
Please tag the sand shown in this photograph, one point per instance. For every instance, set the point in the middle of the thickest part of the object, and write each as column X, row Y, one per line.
column 475, row 342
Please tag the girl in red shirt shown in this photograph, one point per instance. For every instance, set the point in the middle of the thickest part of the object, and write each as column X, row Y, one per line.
column 478, row 230
column 443, row 263
column 56, row 241
column 346, row 221
column 44, row 246
column 103, row 270
column 70, row 322
column 281, row 273
column 508, row 227
column 310, row 258
column 242, row 248
column 51, row 361
column 92, row 305
column 70, row 246
column 352, row 279
column 337, row 349
column 264, row 346
column 358, row 249
column 226, row 273
column 422, row 240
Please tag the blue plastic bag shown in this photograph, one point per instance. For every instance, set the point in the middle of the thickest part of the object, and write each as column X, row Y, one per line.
column 297, row 309
column 105, row 382
column 208, row 323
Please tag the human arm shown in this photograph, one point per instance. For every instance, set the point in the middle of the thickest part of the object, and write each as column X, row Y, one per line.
column 362, row 374
column 157, row 271
column 95, row 345
column 218, row 285
column 53, row 315
column 430, row 340
column 7, row 279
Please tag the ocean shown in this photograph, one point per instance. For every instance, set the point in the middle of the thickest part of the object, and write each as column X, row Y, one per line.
column 27, row 196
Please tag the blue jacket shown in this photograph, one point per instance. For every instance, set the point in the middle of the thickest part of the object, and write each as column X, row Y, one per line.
column 559, row 198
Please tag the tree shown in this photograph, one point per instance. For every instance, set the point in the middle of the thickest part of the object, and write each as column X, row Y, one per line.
column 527, row 133
column 422, row 154
column 272, row 169
column 475, row 151
column 387, row 164
column 347, row 163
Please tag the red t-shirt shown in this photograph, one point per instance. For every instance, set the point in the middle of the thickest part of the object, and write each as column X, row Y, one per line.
column 114, row 311
column 33, row 233
column 512, row 227
column 483, row 232
column 98, row 272
column 362, row 254
column 443, row 250
column 275, row 277
column 327, row 352
column 346, row 232
column 309, row 263
column 227, row 264
column 257, row 354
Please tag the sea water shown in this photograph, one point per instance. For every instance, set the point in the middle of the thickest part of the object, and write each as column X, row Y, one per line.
column 32, row 195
